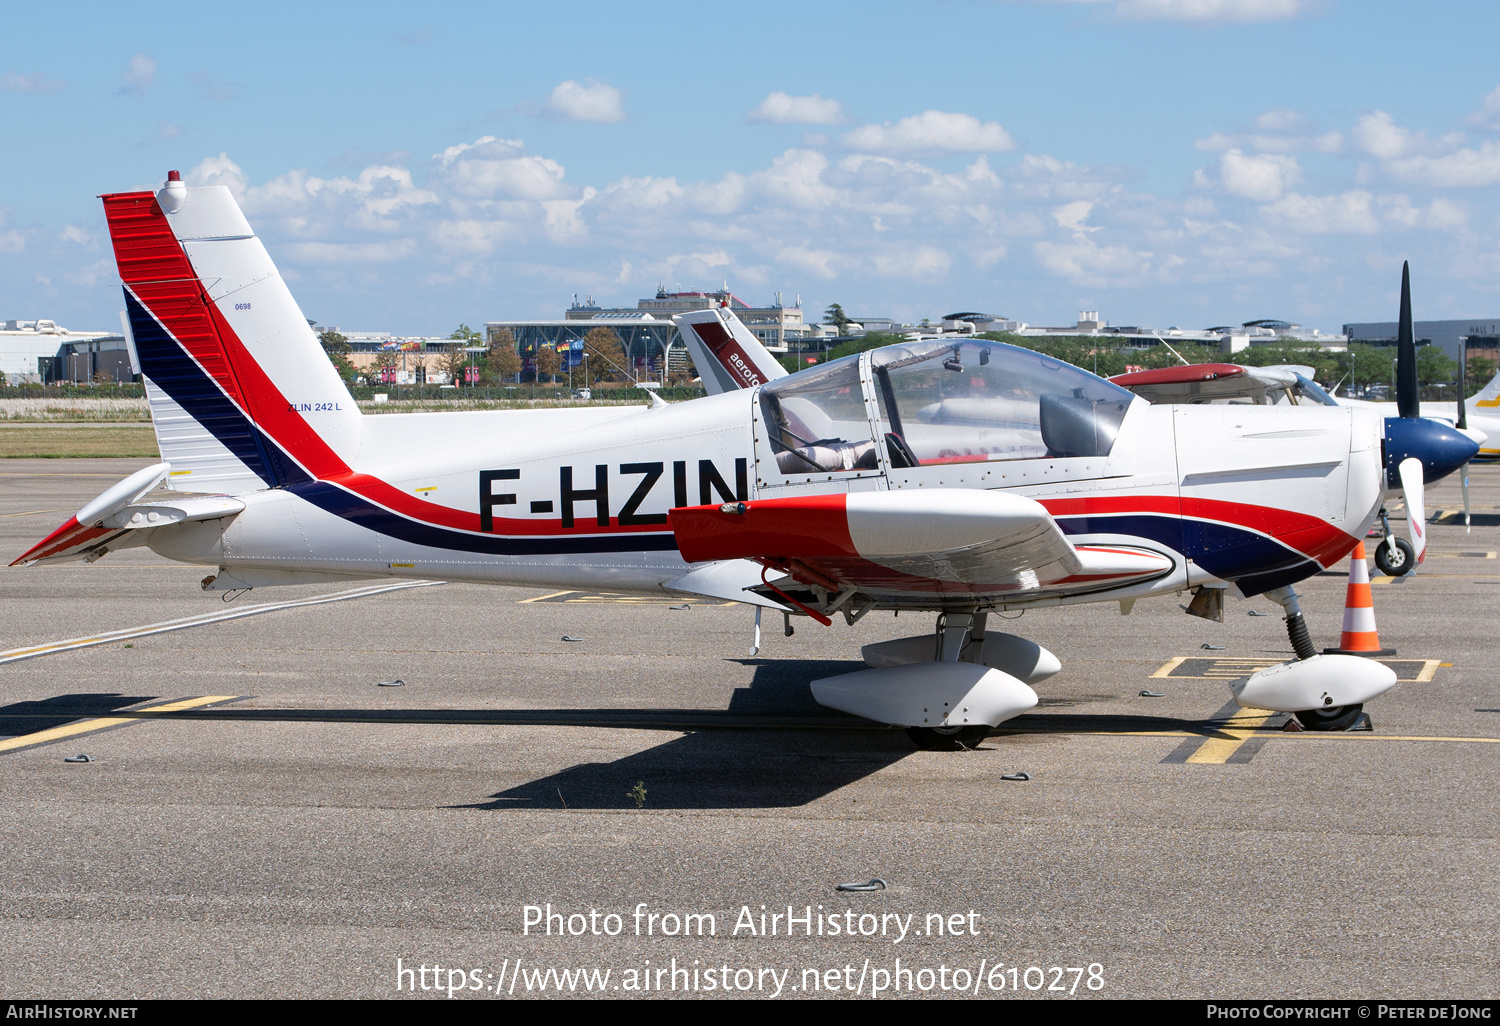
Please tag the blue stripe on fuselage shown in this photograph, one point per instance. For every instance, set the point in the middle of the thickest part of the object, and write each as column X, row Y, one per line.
column 1252, row 561
column 348, row 506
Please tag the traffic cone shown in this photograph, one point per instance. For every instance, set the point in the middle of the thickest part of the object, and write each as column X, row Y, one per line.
column 1360, row 637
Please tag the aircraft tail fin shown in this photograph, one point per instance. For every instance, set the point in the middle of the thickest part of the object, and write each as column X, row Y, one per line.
column 727, row 355
column 242, row 395
column 1488, row 397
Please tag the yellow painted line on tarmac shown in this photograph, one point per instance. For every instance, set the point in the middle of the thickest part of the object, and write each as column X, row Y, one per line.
column 32, row 513
column 41, row 737
column 1240, row 727
column 1166, row 671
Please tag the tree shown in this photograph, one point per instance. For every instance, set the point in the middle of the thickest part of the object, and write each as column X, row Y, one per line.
column 338, row 349
column 548, row 362
column 606, row 356
column 502, row 360
column 835, row 315
column 1434, row 365
column 1480, row 370
column 454, row 363
column 467, row 335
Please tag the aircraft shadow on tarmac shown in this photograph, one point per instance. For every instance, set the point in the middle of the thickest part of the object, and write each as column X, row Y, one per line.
column 772, row 747
column 29, row 717
column 741, row 768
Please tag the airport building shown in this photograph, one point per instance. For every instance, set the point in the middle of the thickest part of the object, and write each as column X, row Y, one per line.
column 1483, row 334
column 41, row 352
column 646, row 331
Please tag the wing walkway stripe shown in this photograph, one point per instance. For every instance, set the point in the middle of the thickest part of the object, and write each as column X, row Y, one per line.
column 42, row 737
column 17, row 654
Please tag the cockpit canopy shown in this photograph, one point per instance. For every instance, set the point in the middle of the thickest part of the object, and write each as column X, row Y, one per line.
column 939, row 402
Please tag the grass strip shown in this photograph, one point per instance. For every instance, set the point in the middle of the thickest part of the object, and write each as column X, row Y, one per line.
column 67, row 443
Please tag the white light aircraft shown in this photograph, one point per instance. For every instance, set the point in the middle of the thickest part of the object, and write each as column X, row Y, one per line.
column 959, row 478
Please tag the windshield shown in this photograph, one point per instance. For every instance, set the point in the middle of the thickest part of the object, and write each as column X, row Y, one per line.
column 1313, row 390
column 816, row 420
column 971, row 401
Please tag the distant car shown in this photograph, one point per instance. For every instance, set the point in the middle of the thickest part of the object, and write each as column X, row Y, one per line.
column 583, row 393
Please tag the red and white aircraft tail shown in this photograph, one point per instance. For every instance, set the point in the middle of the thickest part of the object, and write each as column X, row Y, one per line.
column 727, row 355
column 242, row 396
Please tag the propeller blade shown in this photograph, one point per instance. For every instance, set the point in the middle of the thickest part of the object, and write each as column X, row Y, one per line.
column 1464, row 479
column 1463, row 389
column 1408, row 400
column 1410, row 471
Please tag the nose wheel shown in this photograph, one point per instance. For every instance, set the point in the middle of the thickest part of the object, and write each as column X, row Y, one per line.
column 1394, row 557
column 1337, row 717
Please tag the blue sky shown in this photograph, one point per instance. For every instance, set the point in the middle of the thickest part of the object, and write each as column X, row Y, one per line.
column 1188, row 162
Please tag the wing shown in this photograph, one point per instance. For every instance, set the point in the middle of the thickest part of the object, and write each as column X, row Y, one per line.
column 910, row 547
column 1205, row 382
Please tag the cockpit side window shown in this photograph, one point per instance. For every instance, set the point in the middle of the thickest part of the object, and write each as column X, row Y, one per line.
column 974, row 401
column 816, row 420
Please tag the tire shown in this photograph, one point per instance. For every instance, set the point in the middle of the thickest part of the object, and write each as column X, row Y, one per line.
column 1335, row 717
column 947, row 739
column 1395, row 562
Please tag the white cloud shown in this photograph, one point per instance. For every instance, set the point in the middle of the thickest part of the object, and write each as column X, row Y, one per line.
column 1086, row 262
column 1465, row 168
column 1263, row 177
column 1212, row 10
column 31, row 82
column 1072, row 215
column 1348, row 213
column 75, row 234
column 932, row 131
column 1488, row 114
column 491, row 168
column 590, row 100
column 1378, row 135
column 796, row 177
column 780, row 109
column 219, row 170
column 1208, row 10
column 817, row 261
column 167, row 130
column 139, row 77
column 916, row 262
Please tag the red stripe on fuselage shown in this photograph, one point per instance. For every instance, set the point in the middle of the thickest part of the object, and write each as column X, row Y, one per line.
column 1313, row 537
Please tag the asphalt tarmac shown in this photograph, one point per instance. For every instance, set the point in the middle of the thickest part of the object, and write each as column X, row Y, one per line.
column 289, row 828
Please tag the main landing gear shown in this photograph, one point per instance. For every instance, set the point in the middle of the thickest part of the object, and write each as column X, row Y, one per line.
column 959, row 638
column 1327, row 717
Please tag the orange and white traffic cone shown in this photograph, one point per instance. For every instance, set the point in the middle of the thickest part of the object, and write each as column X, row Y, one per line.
column 1360, row 637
